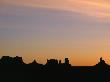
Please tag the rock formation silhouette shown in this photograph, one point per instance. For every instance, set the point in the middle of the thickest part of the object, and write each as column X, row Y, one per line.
column 13, row 69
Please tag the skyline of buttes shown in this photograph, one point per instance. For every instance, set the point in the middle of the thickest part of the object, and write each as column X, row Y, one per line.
column 56, row 29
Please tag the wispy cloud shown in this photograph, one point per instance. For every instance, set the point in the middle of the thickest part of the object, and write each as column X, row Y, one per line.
column 96, row 8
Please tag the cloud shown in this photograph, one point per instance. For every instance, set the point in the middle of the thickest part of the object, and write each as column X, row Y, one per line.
column 95, row 8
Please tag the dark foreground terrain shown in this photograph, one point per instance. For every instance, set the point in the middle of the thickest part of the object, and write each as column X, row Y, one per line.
column 13, row 69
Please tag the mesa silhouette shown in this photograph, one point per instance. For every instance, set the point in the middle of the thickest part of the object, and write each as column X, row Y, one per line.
column 13, row 69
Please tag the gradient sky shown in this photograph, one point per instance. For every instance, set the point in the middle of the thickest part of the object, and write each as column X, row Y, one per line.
column 41, row 29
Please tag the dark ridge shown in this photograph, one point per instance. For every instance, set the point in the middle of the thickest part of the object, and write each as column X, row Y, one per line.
column 13, row 69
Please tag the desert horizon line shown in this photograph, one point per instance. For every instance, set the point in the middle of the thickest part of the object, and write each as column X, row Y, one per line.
column 58, row 61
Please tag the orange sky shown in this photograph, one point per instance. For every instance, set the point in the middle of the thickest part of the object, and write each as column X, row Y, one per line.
column 41, row 29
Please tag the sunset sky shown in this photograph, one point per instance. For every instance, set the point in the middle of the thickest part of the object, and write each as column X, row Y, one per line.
column 44, row 29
